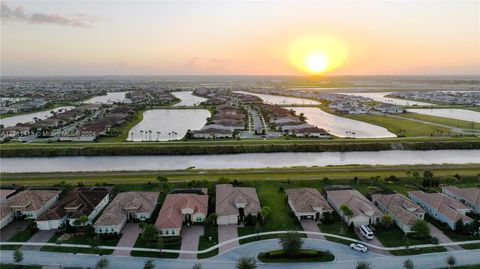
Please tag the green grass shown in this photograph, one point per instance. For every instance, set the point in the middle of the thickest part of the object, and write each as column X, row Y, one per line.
column 14, row 266
column 20, row 236
column 476, row 266
column 403, row 127
column 141, row 243
column 337, row 227
column 123, row 129
column 441, row 120
column 394, row 237
column 81, row 240
column 204, row 242
column 304, row 255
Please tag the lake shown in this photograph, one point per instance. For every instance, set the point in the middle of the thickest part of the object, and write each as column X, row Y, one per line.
column 282, row 100
column 244, row 160
column 188, row 99
column 340, row 126
column 109, row 98
column 24, row 118
column 167, row 121
column 453, row 113
column 380, row 97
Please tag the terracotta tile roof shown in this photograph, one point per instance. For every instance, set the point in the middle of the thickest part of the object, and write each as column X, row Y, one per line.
column 6, row 192
column 305, row 200
column 32, row 200
column 399, row 206
column 470, row 194
column 125, row 202
column 443, row 204
column 170, row 215
column 358, row 203
column 227, row 196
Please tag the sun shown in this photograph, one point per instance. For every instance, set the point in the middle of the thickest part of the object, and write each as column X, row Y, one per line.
column 317, row 55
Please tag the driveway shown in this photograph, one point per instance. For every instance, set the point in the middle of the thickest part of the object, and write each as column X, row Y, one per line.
column 129, row 235
column 374, row 241
column 190, row 236
column 442, row 238
column 227, row 232
column 311, row 226
column 39, row 237
column 11, row 229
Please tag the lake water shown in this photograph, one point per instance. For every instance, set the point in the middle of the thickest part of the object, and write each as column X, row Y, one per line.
column 109, row 98
column 459, row 114
column 167, row 121
column 188, row 99
column 244, row 160
column 380, row 97
column 282, row 100
column 25, row 118
column 340, row 126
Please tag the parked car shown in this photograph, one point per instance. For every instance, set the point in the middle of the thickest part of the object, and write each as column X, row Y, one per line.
column 359, row 247
column 366, row 232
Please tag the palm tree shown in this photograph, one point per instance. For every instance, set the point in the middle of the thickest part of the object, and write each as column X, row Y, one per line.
column 102, row 263
column 131, row 135
column 158, row 135
column 408, row 264
column 347, row 212
column 149, row 135
column 451, row 261
column 141, row 134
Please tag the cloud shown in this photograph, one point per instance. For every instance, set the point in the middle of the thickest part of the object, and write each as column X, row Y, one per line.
column 18, row 14
column 220, row 62
column 192, row 62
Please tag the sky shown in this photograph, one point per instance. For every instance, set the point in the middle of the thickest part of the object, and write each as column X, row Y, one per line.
column 108, row 37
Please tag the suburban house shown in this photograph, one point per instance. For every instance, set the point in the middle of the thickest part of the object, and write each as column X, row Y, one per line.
column 181, row 208
column 234, row 203
column 307, row 203
column 441, row 207
column 364, row 211
column 214, row 131
column 29, row 203
column 403, row 211
column 309, row 132
column 132, row 205
column 468, row 196
column 81, row 201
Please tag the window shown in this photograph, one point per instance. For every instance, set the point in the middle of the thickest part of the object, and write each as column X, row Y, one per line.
column 166, row 232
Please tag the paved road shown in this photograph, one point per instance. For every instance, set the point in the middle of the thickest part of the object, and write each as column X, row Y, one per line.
column 12, row 228
column 227, row 260
column 129, row 235
column 39, row 237
column 227, row 232
column 190, row 237
column 311, row 226
column 374, row 241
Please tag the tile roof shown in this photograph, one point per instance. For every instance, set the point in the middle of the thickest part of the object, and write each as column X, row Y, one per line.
column 227, row 196
column 170, row 215
column 470, row 194
column 399, row 206
column 78, row 202
column 443, row 204
column 6, row 192
column 358, row 203
column 32, row 200
column 126, row 202
column 305, row 200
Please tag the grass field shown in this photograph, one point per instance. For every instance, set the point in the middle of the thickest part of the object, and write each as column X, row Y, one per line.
column 81, row 240
column 204, row 242
column 20, row 236
column 141, row 243
column 394, row 237
column 467, row 125
column 402, row 127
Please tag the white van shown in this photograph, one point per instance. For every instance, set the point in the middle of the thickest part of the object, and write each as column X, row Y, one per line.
column 366, row 232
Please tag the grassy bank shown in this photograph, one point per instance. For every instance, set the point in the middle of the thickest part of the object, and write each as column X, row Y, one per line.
column 304, row 255
column 467, row 125
column 228, row 147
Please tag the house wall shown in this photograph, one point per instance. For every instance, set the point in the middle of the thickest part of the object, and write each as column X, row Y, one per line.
column 170, row 232
column 356, row 220
column 50, row 224
column 226, row 220
column 95, row 211
column 109, row 229
column 6, row 220
column 476, row 208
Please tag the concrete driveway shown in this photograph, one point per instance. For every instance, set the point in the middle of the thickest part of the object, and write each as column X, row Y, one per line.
column 190, row 236
column 227, row 232
column 311, row 226
column 39, row 237
column 442, row 238
column 374, row 241
column 11, row 229
column 129, row 235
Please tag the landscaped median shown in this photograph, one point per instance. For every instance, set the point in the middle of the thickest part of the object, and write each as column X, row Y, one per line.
column 303, row 255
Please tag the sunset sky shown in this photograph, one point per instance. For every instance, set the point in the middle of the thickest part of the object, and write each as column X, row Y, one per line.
column 237, row 37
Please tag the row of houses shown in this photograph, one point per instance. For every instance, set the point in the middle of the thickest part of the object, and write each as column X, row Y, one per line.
column 223, row 124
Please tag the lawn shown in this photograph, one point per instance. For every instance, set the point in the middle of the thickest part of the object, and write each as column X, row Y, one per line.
column 81, row 240
column 14, row 266
column 304, row 255
column 20, row 236
column 169, row 243
column 441, row 120
column 403, row 127
column 337, row 227
column 394, row 237
column 205, row 242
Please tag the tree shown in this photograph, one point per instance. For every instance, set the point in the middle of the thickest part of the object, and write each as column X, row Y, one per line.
column 420, row 227
column 459, row 226
column 246, row 263
column 197, row 266
column 291, row 243
column 427, row 174
column 416, row 175
column 211, row 219
column 408, row 264
column 162, row 180
column 451, row 261
column 347, row 212
column 149, row 265
column 363, row 265
column 150, row 233
column 387, row 220
column 160, row 243
column 102, row 263
column 81, row 221
column 265, row 212
column 17, row 256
